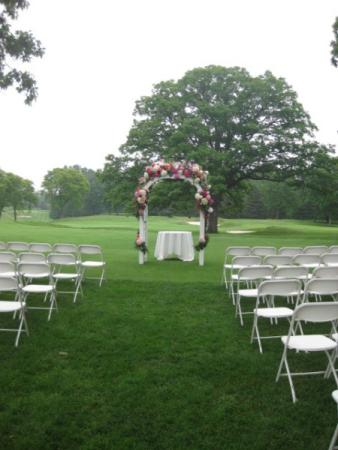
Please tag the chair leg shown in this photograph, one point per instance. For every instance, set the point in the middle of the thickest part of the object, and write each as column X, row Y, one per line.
column 288, row 373
column 333, row 439
column 102, row 276
column 255, row 329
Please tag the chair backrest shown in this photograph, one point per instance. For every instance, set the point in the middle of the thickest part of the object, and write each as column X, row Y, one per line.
column 306, row 259
column 18, row 246
column 3, row 246
column 40, row 247
column 263, row 251
column 316, row 249
column 238, row 251
column 36, row 269
column 278, row 260
column 333, row 249
column 31, row 257
column 297, row 272
column 322, row 286
column 8, row 257
column 255, row 272
column 85, row 249
column 325, row 272
column 290, row 251
column 65, row 248
column 282, row 288
column 317, row 312
column 330, row 259
column 62, row 259
column 7, row 267
column 246, row 261
column 8, row 284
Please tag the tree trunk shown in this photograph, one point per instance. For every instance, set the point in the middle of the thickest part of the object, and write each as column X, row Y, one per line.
column 213, row 221
column 14, row 212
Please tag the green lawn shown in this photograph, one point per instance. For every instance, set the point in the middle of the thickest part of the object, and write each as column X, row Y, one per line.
column 155, row 359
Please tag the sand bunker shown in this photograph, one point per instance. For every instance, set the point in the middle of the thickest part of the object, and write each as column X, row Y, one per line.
column 239, row 231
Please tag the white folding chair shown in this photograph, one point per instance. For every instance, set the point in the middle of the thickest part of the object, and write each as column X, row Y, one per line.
column 8, row 269
column 17, row 246
column 316, row 249
column 330, row 259
column 335, row 434
column 8, row 257
column 291, row 272
column 333, row 249
column 290, row 251
column 33, row 279
column 321, row 287
column 239, row 262
column 267, row 291
column 251, row 276
column 91, row 257
column 66, row 248
column 263, row 251
column 307, row 260
column 65, row 267
column 278, row 260
column 325, row 272
column 11, row 285
column 314, row 313
column 230, row 252
column 3, row 246
column 31, row 257
column 40, row 247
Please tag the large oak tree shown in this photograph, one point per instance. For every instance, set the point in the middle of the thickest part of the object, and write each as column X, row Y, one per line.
column 235, row 125
column 17, row 47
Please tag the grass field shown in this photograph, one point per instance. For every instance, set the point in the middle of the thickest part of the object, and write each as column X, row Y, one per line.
column 155, row 359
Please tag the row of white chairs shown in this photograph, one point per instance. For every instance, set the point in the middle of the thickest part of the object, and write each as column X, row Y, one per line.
column 298, row 309
column 38, row 278
column 310, row 261
column 89, row 256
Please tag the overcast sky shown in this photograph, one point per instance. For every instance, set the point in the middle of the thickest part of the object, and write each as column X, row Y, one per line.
column 102, row 56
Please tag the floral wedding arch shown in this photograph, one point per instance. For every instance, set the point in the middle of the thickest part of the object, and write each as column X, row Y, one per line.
column 158, row 171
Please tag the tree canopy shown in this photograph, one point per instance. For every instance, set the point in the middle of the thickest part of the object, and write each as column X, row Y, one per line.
column 334, row 44
column 17, row 47
column 66, row 188
column 237, row 126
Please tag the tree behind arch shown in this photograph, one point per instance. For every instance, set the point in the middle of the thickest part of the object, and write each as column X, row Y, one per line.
column 235, row 125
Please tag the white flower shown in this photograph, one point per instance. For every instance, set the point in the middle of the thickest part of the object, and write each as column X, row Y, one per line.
column 198, row 196
column 210, row 210
column 141, row 200
column 164, row 173
column 146, row 175
column 204, row 201
column 142, row 193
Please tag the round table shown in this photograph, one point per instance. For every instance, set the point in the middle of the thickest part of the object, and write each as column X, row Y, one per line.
column 174, row 243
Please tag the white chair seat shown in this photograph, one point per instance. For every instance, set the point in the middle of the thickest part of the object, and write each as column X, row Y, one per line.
column 8, row 274
column 248, row 292
column 310, row 343
column 335, row 395
column 65, row 276
column 279, row 312
column 37, row 288
column 34, row 275
column 93, row 263
column 7, row 306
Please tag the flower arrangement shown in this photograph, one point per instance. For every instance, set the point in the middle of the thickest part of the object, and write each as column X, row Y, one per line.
column 176, row 171
column 202, row 243
column 140, row 244
column 184, row 170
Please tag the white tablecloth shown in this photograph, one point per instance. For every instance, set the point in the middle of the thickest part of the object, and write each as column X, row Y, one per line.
column 174, row 243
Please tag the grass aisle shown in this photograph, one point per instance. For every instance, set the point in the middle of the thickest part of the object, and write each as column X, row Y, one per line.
column 155, row 358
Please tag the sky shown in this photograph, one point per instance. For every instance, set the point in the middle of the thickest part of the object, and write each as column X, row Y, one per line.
column 100, row 57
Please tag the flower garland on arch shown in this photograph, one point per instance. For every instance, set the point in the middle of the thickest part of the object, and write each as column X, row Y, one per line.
column 185, row 170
